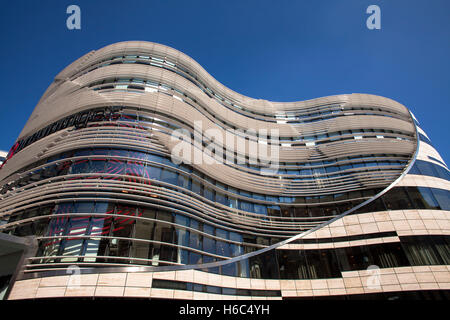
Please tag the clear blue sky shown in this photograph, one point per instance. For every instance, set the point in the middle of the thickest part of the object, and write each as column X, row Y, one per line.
column 280, row 50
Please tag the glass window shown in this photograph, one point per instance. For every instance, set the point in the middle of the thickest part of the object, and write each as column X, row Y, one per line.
column 221, row 198
column 115, row 167
column 236, row 249
column 165, row 216
column 40, row 227
column 246, row 206
column 442, row 172
column 182, row 220
column 419, row 251
column 184, row 182
column 414, row 169
column 66, row 207
column 182, row 234
column 209, row 245
column 261, row 209
column 195, row 258
column 48, row 248
column 102, row 207
column 167, row 235
column 73, row 245
column 71, row 248
column 82, row 152
column 375, row 205
column 331, row 169
column 232, row 202
column 169, row 176
column 153, row 173
column 428, row 198
column 222, row 247
column 63, row 168
column 232, row 190
column 195, row 240
column 397, row 199
column 97, row 166
column 330, row 211
column 197, row 187
column 100, row 151
column 208, row 193
column 426, row 168
column 100, row 226
column 301, row 212
column 148, row 213
column 389, row 255
column 273, row 211
column 229, row 270
column 182, row 237
column 80, row 166
column 95, row 246
column 134, row 168
column 442, row 246
column 84, row 207
column 442, row 197
column 315, row 211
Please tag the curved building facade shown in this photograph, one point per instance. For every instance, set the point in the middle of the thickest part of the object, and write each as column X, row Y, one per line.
column 139, row 175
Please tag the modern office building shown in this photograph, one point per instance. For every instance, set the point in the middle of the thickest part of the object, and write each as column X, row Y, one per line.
column 351, row 202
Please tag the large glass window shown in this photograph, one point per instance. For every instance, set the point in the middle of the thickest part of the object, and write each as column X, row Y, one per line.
column 97, row 166
column 221, row 198
column 398, row 199
column 246, row 206
column 420, row 251
column 144, row 230
column 114, row 166
column 232, row 202
column 197, row 187
column 222, row 247
column 73, row 244
column 80, row 166
column 209, row 244
column 261, row 209
column 195, row 239
column 426, row 168
column 442, row 197
column 208, row 193
column 100, row 226
column 169, row 176
column 153, row 173
column 184, row 181
column 84, row 207
column 428, row 198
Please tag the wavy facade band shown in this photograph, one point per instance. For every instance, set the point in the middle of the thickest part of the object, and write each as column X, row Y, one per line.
column 355, row 203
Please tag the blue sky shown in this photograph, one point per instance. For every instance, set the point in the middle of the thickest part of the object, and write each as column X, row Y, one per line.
column 280, row 50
